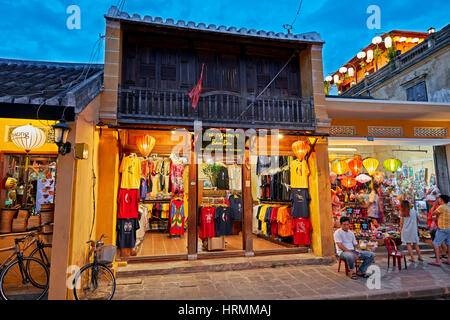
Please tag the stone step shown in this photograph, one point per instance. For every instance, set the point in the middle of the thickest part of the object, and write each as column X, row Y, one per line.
column 221, row 264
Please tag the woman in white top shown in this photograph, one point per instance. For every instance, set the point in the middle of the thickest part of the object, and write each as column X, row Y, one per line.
column 408, row 226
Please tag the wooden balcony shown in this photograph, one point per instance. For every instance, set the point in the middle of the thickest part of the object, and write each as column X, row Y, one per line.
column 214, row 109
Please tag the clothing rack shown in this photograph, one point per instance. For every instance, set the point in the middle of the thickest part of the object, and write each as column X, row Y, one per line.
column 275, row 201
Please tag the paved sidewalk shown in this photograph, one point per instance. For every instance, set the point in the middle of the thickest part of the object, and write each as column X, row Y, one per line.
column 289, row 282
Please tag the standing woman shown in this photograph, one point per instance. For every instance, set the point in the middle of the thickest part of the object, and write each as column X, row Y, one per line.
column 408, row 226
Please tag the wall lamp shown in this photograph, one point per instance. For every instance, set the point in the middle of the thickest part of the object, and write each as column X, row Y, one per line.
column 61, row 132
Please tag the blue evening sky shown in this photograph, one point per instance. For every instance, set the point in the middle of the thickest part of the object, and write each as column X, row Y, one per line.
column 36, row 29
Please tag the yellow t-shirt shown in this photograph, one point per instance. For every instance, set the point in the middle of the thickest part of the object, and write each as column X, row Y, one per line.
column 261, row 216
column 444, row 216
column 299, row 174
column 131, row 173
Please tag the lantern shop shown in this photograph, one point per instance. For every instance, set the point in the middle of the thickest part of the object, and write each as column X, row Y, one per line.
column 369, row 180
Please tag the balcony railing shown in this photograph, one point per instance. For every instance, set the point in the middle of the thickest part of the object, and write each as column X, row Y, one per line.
column 216, row 108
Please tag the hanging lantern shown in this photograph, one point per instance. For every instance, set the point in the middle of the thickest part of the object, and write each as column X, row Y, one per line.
column 378, row 176
column 28, row 137
column 371, row 165
column 357, row 157
column 348, row 182
column 301, row 149
column 363, row 178
column 392, row 164
column 145, row 144
column 355, row 166
column 333, row 177
column 332, row 157
column 339, row 167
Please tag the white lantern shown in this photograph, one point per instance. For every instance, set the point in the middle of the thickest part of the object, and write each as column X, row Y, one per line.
column 342, row 70
column 388, row 42
column 361, row 55
column 415, row 40
column 28, row 137
column 402, row 39
column 377, row 40
column 336, row 78
column 329, row 78
column 351, row 72
column 369, row 55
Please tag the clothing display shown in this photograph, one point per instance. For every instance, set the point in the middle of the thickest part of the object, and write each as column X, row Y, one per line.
column 176, row 178
column 128, row 203
column 274, row 221
column 126, row 232
column 235, row 175
column 299, row 174
column 176, row 219
column 302, row 231
column 223, row 182
column 224, row 221
column 274, row 181
column 236, row 206
column 207, row 222
column 300, row 203
column 130, row 168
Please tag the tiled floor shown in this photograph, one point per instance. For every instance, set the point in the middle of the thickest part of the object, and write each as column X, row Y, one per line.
column 160, row 244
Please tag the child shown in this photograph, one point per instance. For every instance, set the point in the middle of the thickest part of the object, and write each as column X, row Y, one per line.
column 408, row 226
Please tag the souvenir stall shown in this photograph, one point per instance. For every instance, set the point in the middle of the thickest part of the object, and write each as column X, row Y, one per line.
column 354, row 183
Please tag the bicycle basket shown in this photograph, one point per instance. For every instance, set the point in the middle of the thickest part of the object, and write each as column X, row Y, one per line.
column 106, row 254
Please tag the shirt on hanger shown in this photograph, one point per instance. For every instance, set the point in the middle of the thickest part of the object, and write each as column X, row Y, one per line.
column 126, row 232
column 300, row 203
column 235, row 177
column 207, row 222
column 128, row 203
column 176, row 220
column 224, row 223
column 130, row 168
column 235, row 201
column 302, row 231
column 299, row 174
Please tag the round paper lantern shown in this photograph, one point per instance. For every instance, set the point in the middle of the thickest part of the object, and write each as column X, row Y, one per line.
column 145, row 144
column 357, row 157
column 332, row 157
column 378, row 176
column 301, row 149
column 348, row 182
column 371, row 165
column 28, row 137
column 363, row 178
column 355, row 166
column 339, row 167
column 392, row 164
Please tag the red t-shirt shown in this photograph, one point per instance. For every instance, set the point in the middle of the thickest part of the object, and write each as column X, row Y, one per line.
column 207, row 223
column 302, row 231
column 128, row 203
column 273, row 222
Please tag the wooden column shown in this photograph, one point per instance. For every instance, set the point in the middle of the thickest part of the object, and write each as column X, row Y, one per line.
column 247, row 208
column 193, row 210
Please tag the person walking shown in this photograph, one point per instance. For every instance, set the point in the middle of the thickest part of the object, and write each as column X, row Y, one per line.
column 408, row 227
column 432, row 201
column 442, row 215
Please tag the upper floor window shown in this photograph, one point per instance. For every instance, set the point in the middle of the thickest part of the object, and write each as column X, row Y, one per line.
column 417, row 92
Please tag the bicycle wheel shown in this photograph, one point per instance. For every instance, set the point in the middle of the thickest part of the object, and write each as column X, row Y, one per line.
column 94, row 282
column 24, row 280
column 44, row 258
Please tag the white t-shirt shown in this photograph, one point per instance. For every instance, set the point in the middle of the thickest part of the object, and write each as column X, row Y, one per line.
column 347, row 239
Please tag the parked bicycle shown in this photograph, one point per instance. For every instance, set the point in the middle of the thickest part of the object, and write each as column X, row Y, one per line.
column 96, row 281
column 25, row 277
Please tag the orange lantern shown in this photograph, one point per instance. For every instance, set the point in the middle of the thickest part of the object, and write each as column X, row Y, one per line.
column 348, row 182
column 340, row 167
column 145, row 144
column 355, row 166
column 301, row 149
column 378, row 176
column 357, row 157
column 332, row 157
column 371, row 165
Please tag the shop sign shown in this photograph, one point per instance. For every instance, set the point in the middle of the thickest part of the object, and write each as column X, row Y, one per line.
column 49, row 133
column 229, row 143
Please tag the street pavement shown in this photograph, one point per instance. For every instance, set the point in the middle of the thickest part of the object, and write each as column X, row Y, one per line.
column 291, row 282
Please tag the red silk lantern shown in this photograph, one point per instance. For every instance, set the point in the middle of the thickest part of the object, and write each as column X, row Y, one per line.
column 357, row 157
column 348, row 182
column 355, row 166
column 145, row 144
column 340, row 167
column 301, row 149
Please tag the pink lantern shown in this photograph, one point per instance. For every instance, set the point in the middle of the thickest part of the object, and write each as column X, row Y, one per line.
column 363, row 178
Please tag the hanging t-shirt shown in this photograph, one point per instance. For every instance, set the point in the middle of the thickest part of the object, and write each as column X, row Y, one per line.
column 236, row 206
column 224, row 222
column 302, row 231
column 235, row 177
column 130, row 168
column 176, row 178
column 284, row 220
column 299, row 174
column 300, row 203
column 273, row 222
column 126, row 232
column 143, row 189
column 176, row 218
column 207, row 222
column 128, row 203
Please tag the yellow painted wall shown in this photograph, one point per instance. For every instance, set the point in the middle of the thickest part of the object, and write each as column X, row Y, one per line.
column 11, row 147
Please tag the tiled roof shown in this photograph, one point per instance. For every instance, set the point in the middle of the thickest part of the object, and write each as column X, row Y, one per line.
column 114, row 13
column 49, row 83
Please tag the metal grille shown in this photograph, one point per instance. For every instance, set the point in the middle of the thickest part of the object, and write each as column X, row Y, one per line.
column 385, row 131
column 343, row 131
column 430, row 132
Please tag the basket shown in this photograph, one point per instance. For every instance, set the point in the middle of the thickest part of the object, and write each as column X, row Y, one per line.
column 34, row 221
column 6, row 218
column 106, row 254
column 19, row 225
column 23, row 214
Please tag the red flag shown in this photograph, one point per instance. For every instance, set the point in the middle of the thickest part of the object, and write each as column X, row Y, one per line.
column 195, row 93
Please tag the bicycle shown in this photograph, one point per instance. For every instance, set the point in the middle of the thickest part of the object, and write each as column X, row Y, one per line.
column 96, row 281
column 22, row 277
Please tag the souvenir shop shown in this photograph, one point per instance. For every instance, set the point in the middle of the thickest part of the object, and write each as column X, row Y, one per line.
column 368, row 182
column 155, row 208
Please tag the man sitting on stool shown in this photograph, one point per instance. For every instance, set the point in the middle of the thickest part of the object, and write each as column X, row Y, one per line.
column 347, row 248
